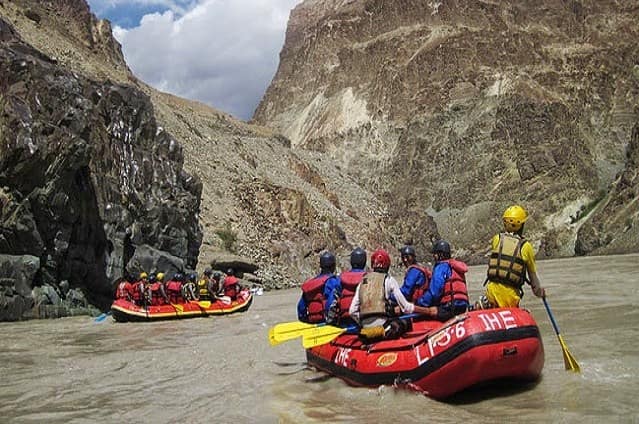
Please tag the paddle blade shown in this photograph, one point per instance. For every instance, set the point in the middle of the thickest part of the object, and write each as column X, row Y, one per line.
column 569, row 361
column 287, row 331
column 178, row 308
column 204, row 303
column 321, row 335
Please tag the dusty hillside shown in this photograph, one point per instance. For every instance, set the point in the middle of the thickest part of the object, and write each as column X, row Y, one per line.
column 264, row 205
column 455, row 109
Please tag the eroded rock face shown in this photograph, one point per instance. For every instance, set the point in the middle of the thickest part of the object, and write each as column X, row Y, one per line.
column 454, row 110
column 87, row 176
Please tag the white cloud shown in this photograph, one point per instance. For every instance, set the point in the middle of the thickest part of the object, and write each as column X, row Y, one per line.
column 221, row 52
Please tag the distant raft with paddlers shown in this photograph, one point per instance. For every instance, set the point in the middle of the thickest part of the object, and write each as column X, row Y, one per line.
column 124, row 310
column 439, row 359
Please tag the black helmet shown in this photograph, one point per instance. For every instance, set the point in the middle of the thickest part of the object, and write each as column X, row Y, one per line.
column 193, row 277
column 208, row 272
column 217, row 275
column 152, row 277
column 230, row 271
column 442, row 246
column 407, row 251
column 327, row 261
column 358, row 258
column 178, row 276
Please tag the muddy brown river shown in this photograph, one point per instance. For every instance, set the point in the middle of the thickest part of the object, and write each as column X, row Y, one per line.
column 223, row 370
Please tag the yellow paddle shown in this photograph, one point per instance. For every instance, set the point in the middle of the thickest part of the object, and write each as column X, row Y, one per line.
column 569, row 361
column 323, row 335
column 289, row 330
column 204, row 303
column 178, row 308
column 315, row 334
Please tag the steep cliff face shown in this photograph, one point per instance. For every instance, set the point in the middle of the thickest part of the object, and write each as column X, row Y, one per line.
column 91, row 186
column 454, row 110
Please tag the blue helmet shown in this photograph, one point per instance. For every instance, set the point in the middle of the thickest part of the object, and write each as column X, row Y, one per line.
column 327, row 261
column 358, row 258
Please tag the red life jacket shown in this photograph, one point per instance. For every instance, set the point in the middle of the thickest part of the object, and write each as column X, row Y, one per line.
column 231, row 286
column 156, row 294
column 350, row 280
column 174, row 291
column 455, row 286
column 137, row 292
column 123, row 291
column 313, row 292
column 419, row 291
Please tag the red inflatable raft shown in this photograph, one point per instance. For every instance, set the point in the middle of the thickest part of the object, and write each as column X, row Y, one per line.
column 441, row 359
column 124, row 311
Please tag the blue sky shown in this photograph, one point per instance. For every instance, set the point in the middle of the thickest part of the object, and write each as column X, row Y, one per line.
column 221, row 52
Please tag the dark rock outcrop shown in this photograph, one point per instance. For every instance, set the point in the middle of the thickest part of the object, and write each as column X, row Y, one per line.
column 87, row 178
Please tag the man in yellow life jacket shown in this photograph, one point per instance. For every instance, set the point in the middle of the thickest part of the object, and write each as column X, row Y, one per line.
column 203, row 285
column 512, row 263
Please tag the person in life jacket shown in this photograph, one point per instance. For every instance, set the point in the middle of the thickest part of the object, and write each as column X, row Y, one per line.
column 138, row 291
column 157, row 293
column 417, row 277
column 173, row 288
column 372, row 306
column 203, row 283
column 350, row 280
column 512, row 263
column 321, row 293
column 231, row 285
column 189, row 288
column 447, row 294
column 124, row 289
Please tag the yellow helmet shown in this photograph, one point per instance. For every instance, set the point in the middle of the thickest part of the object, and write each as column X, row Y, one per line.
column 159, row 276
column 143, row 275
column 514, row 217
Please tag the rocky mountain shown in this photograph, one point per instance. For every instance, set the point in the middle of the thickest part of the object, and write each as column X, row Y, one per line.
column 452, row 110
column 100, row 174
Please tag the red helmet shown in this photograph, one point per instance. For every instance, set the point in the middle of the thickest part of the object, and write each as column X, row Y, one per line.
column 380, row 259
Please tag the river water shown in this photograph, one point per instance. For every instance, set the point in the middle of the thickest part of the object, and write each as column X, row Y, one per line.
column 223, row 370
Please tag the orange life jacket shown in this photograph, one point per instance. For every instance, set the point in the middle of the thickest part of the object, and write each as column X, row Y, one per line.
column 420, row 290
column 313, row 292
column 350, row 280
column 455, row 286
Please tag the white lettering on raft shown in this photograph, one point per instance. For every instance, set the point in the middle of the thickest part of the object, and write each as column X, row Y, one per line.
column 342, row 357
column 439, row 341
column 502, row 320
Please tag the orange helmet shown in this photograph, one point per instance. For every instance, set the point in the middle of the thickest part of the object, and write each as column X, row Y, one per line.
column 380, row 260
column 514, row 217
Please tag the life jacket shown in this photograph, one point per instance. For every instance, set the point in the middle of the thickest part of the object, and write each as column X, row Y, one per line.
column 420, row 290
column 203, row 288
column 455, row 286
column 231, row 286
column 174, row 291
column 124, row 290
column 506, row 265
column 350, row 280
column 137, row 292
column 313, row 293
column 372, row 295
column 156, row 294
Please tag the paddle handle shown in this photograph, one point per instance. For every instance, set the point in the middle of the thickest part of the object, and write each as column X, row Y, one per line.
column 552, row 318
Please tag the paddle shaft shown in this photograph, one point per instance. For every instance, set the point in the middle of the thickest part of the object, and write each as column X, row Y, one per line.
column 569, row 361
column 552, row 318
